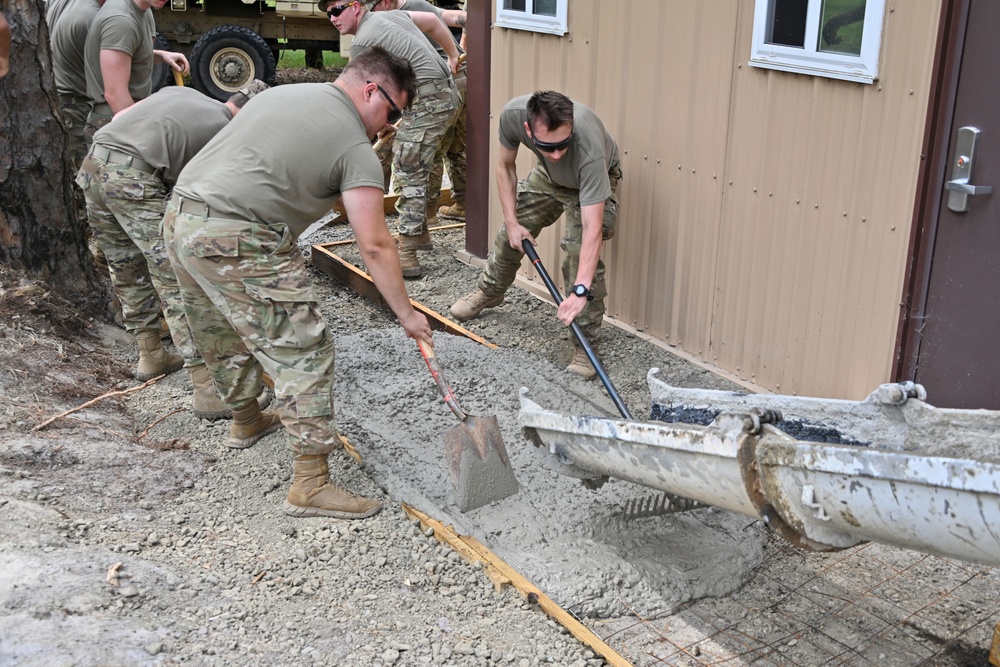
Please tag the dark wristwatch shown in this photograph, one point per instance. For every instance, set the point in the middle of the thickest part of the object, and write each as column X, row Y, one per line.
column 580, row 290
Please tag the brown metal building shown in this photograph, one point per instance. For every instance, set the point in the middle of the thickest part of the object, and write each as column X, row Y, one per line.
column 784, row 221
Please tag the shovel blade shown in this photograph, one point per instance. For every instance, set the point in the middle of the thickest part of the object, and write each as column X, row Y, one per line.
column 477, row 462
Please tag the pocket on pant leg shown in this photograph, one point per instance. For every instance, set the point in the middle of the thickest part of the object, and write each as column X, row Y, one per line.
column 287, row 316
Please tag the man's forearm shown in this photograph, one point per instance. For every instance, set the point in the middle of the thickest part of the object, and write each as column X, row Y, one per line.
column 507, row 191
column 592, row 219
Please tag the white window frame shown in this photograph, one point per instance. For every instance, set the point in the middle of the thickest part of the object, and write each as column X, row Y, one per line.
column 528, row 20
column 808, row 60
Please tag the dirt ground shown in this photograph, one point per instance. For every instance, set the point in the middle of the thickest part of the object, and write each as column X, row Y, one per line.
column 211, row 571
column 130, row 536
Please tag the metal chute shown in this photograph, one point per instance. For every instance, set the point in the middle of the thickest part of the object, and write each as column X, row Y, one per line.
column 913, row 475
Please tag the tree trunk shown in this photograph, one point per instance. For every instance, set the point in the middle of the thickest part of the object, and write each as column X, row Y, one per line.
column 40, row 231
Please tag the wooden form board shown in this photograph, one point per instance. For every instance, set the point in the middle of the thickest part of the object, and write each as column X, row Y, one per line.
column 328, row 262
column 389, row 204
column 502, row 575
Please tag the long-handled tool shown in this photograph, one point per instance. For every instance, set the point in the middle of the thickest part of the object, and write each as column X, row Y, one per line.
column 477, row 458
column 529, row 250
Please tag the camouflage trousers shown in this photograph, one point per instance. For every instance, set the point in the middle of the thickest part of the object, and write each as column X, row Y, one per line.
column 249, row 295
column 74, row 115
column 454, row 149
column 453, row 144
column 125, row 210
column 417, row 148
column 99, row 116
column 540, row 202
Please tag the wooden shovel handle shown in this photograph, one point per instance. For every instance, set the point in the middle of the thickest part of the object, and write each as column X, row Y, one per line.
column 450, row 400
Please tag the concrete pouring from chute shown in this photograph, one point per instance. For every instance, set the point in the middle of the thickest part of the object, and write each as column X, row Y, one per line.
column 824, row 474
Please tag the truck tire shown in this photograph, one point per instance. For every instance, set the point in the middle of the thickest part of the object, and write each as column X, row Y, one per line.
column 228, row 57
column 161, row 71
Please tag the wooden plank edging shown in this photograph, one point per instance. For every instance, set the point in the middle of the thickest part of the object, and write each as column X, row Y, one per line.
column 331, row 264
column 503, row 575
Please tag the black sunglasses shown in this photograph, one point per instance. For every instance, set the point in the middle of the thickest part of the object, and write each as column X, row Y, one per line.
column 549, row 147
column 337, row 11
column 395, row 114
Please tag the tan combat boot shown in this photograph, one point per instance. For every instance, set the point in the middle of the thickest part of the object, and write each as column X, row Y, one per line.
column 456, row 211
column 473, row 303
column 250, row 425
column 206, row 403
column 408, row 256
column 313, row 494
column 580, row 364
column 153, row 359
column 424, row 241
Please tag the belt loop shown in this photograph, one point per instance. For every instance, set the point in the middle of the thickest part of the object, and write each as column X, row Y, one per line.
column 204, row 213
column 180, row 203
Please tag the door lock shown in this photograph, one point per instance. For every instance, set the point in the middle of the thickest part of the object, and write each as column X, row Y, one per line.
column 959, row 188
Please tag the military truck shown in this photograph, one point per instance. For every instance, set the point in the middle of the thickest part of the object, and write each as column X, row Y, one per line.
column 231, row 42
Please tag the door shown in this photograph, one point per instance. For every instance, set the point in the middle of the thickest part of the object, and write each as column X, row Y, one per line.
column 958, row 358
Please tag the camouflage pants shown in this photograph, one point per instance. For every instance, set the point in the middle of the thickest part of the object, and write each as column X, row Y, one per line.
column 454, row 149
column 99, row 116
column 125, row 209
column 540, row 202
column 74, row 115
column 249, row 295
column 454, row 154
column 418, row 146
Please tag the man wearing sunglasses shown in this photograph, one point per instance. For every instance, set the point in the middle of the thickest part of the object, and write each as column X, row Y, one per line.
column 231, row 229
column 419, row 142
column 577, row 173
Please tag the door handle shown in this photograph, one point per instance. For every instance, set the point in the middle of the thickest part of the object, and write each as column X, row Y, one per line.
column 962, row 186
column 959, row 187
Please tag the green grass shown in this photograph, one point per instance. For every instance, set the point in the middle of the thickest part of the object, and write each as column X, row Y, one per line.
column 297, row 58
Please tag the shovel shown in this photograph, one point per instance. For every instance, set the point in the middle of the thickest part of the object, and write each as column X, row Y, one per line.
column 477, row 458
column 529, row 250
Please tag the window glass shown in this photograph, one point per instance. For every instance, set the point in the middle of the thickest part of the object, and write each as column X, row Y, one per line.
column 842, row 25
column 516, row 5
column 545, row 7
column 787, row 22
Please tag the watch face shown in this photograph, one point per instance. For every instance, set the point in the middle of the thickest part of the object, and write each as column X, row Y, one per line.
column 580, row 290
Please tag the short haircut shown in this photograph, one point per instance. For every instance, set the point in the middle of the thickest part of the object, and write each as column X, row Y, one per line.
column 549, row 110
column 378, row 65
column 243, row 95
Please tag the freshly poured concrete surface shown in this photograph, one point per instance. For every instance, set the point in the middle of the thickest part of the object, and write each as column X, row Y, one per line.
column 572, row 542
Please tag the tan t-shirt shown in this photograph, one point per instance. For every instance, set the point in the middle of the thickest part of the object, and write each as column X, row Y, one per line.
column 166, row 129
column 588, row 159
column 68, row 30
column 121, row 26
column 396, row 33
column 273, row 172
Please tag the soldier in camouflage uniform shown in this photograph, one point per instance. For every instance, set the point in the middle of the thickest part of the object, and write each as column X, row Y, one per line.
column 231, row 229
column 125, row 177
column 119, row 57
column 419, row 143
column 577, row 173
column 454, row 139
column 69, row 22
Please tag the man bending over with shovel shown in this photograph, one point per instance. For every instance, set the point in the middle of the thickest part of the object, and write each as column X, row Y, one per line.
column 231, row 229
column 577, row 172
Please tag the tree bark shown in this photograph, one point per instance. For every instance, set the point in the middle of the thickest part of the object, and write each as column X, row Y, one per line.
column 40, row 231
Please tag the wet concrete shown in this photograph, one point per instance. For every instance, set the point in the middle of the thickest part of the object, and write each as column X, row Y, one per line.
column 572, row 542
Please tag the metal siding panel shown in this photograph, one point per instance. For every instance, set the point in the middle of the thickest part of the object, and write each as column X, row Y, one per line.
column 824, row 286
